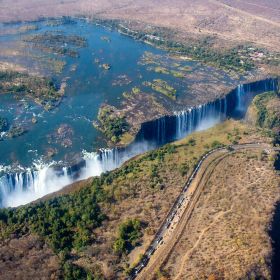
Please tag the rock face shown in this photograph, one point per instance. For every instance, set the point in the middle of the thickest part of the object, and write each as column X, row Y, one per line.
column 63, row 136
column 16, row 131
column 27, row 257
column 145, row 188
column 251, row 115
column 264, row 112
column 137, row 108
column 106, row 66
column 51, row 152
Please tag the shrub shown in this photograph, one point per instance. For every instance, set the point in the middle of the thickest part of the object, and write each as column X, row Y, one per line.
column 216, row 144
column 74, row 272
column 129, row 233
column 192, row 142
column 112, row 126
column 183, row 169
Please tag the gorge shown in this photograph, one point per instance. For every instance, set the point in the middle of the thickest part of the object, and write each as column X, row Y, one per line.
column 30, row 184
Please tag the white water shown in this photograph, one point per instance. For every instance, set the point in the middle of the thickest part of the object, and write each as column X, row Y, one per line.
column 200, row 118
column 23, row 187
column 240, row 96
column 31, row 184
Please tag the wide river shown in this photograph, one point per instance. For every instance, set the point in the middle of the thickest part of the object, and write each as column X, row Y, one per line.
column 88, row 86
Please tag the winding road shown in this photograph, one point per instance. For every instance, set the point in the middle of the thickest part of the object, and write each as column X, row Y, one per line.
column 181, row 211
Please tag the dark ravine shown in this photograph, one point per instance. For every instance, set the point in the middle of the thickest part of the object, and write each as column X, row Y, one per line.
column 232, row 105
column 21, row 188
column 275, row 235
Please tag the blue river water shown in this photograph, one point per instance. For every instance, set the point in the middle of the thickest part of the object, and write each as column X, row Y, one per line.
column 88, row 86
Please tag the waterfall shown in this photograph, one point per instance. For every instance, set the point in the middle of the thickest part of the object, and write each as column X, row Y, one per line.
column 96, row 163
column 25, row 186
column 199, row 118
column 240, row 95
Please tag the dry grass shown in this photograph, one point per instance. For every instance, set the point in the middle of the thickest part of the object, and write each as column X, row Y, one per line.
column 136, row 197
column 27, row 258
column 229, row 21
column 227, row 234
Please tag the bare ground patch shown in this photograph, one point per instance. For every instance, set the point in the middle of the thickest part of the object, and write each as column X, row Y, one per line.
column 229, row 21
column 31, row 257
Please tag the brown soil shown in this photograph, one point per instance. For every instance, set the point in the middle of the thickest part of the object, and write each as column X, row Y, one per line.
column 227, row 235
column 229, row 21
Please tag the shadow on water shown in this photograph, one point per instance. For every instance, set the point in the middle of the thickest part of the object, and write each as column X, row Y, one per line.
column 275, row 236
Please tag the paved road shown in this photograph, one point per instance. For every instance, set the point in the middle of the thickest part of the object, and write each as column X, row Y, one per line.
column 180, row 213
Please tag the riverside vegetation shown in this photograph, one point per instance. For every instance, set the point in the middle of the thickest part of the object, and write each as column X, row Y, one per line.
column 40, row 89
column 101, row 229
column 110, row 209
column 162, row 87
column 268, row 116
column 230, row 60
column 112, row 125
column 264, row 112
column 58, row 43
